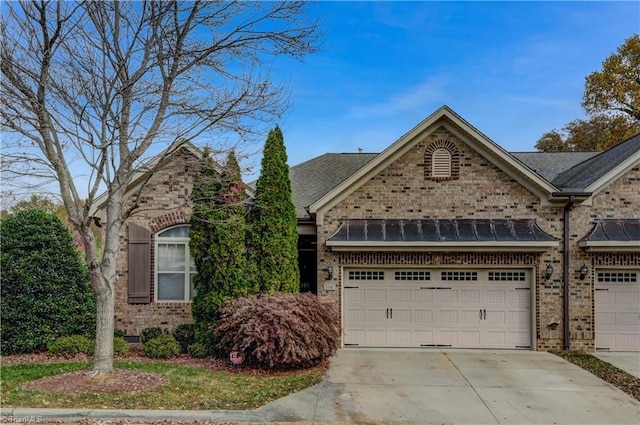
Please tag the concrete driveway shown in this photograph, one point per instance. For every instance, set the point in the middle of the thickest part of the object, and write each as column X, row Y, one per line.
column 456, row 387
column 627, row 361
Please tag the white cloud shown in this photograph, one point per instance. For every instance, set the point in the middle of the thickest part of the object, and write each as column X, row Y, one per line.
column 420, row 97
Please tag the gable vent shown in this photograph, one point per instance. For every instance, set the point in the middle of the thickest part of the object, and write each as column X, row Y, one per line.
column 441, row 161
column 441, row 166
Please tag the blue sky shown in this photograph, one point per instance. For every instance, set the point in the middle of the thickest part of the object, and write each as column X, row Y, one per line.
column 514, row 70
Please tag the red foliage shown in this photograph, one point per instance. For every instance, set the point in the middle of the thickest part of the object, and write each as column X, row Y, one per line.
column 283, row 331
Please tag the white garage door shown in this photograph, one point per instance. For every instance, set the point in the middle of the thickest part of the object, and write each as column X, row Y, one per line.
column 431, row 307
column 618, row 310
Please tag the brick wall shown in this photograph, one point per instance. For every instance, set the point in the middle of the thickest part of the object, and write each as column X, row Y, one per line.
column 165, row 204
column 482, row 190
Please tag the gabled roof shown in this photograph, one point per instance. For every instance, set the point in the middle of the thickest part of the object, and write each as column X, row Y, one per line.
column 141, row 172
column 592, row 174
column 447, row 118
column 312, row 179
column 550, row 164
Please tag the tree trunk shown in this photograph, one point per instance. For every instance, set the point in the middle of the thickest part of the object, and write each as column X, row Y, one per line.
column 103, row 354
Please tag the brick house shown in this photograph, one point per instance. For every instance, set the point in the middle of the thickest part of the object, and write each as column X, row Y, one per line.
column 443, row 239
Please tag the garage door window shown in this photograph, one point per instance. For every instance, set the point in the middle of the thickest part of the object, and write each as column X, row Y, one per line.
column 412, row 275
column 459, row 275
column 508, row 276
column 618, row 277
column 366, row 275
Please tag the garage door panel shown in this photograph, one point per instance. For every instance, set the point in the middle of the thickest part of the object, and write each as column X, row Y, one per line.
column 354, row 295
column 617, row 305
column 376, row 295
column 448, row 316
column 355, row 315
column 468, row 339
column 401, row 316
column 423, row 316
column 400, row 295
column 470, row 316
column 376, row 315
column 469, row 296
column 413, row 313
column 422, row 295
column 423, row 337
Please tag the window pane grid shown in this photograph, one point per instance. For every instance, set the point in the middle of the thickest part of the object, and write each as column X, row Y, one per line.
column 412, row 275
column 459, row 275
column 508, row 276
column 617, row 277
column 366, row 275
column 174, row 266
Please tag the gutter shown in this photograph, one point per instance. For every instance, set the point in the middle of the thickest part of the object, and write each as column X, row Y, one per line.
column 565, row 249
column 571, row 199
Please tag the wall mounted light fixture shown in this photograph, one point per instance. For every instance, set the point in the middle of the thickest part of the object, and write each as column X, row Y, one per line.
column 330, row 272
column 583, row 271
column 548, row 271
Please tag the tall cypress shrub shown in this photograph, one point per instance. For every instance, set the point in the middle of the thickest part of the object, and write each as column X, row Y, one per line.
column 274, row 235
column 218, row 236
column 45, row 284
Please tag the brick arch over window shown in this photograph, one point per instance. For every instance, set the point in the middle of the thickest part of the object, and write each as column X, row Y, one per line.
column 436, row 151
column 168, row 220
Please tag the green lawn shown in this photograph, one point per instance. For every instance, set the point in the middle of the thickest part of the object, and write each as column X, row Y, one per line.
column 188, row 387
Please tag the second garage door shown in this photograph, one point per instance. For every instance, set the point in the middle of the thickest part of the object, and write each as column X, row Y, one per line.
column 430, row 308
column 618, row 310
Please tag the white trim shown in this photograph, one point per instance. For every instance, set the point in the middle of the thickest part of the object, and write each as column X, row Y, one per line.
column 618, row 171
column 187, row 273
column 610, row 246
column 447, row 117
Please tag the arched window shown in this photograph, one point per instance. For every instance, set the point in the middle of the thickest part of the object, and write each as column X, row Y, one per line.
column 174, row 266
column 441, row 164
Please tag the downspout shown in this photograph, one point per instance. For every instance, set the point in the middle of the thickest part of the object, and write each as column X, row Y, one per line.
column 565, row 248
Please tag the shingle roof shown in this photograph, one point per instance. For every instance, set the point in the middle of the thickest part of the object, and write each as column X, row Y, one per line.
column 550, row 164
column 312, row 179
column 589, row 171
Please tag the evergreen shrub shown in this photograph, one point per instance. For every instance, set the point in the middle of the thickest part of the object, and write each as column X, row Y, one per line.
column 281, row 331
column 120, row 347
column 162, row 347
column 69, row 346
column 185, row 335
column 147, row 334
column 197, row 350
column 45, row 283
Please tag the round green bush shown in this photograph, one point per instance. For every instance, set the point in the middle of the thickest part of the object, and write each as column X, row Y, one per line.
column 147, row 334
column 162, row 347
column 45, row 283
column 185, row 335
column 69, row 346
column 197, row 350
column 120, row 347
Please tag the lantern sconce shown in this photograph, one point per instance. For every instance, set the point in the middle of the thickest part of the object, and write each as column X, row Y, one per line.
column 548, row 271
column 583, row 271
column 330, row 272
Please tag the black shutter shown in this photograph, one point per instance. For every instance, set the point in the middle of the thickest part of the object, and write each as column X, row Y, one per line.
column 139, row 265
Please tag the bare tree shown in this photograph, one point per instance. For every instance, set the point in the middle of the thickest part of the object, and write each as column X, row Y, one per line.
column 99, row 83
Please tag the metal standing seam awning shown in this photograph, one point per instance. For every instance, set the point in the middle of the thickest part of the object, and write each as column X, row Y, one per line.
column 441, row 235
column 613, row 235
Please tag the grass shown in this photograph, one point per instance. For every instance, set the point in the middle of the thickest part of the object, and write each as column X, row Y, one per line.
column 189, row 387
column 607, row 372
